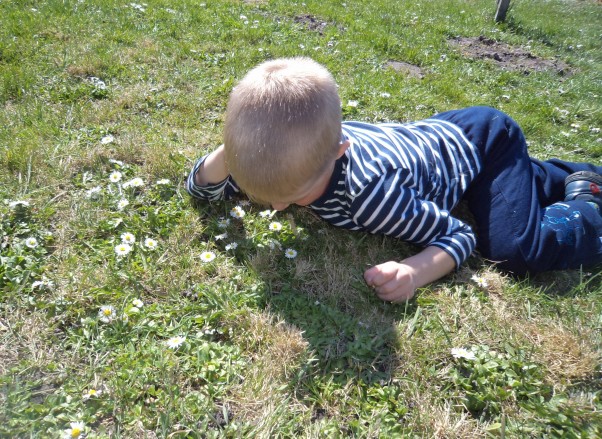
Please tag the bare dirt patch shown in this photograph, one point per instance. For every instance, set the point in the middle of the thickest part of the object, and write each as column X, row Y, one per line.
column 411, row 70
column 507, row 57
column 311, row 23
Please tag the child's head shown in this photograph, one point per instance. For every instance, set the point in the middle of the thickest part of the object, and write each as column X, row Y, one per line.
column 283, row 127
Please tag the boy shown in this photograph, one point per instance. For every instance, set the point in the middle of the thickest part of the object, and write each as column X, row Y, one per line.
column 284, row 143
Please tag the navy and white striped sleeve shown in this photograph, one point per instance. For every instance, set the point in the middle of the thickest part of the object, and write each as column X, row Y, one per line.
column 389, row 207
column 223, row 190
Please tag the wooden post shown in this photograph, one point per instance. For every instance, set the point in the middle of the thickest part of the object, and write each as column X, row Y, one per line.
column 502, row 8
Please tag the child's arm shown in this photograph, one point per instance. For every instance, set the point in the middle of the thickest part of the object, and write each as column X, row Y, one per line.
column 213, row 170
column 397, row 281
column 209, row 180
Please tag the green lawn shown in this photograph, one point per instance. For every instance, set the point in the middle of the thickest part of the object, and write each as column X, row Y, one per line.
column 222, row 320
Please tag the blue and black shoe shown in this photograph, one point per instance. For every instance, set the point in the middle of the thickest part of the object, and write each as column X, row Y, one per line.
column 585, row 186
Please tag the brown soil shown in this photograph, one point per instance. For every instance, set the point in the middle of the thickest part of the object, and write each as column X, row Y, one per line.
column 407, row 69
column 506, row 56
column 311, row 23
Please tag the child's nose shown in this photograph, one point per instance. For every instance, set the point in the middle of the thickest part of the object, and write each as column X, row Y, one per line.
column 279, row 206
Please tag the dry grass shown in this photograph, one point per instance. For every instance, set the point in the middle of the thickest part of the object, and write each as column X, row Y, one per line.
column 275, row 348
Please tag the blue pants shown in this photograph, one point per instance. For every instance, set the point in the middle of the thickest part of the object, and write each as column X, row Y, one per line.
column 523, row 223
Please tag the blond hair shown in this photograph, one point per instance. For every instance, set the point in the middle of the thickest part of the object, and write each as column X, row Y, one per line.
column 283, row 127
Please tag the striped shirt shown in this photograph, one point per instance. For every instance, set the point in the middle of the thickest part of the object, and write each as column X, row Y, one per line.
column 400, row 180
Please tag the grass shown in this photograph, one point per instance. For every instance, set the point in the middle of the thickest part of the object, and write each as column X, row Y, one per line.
column 270, row 346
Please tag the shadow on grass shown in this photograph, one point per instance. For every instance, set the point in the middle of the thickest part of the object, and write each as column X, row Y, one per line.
column 352, row 335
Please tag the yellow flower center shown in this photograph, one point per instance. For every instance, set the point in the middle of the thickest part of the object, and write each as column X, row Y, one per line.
column 75, row 432
column 106, row 312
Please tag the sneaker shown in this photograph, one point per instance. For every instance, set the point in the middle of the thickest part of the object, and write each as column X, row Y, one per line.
column 584, row 185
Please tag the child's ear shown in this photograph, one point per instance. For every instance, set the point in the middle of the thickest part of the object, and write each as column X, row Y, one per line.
column 342, row 148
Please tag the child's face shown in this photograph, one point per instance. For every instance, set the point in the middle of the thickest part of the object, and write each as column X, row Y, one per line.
column 308, row 194
column 313, row 189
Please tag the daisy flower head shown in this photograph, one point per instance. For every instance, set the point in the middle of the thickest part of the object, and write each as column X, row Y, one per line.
column 44, row 283
column 150, row 243
column 115, row 177
column 134, row 182
column 480, row 281
column 175, row 342
column 275, row 226
column 237, row 212
column 163, row 182
column 97, row 83
column 123, row 249
column 116, row 162
column 75, row 431
column 107, row 314
column 221, row 236
column 267, row 213
column 31, row 242
column 272, row 244
column 122, row 204
column 290, row 253
column 107, row 139
column 18, row 203
column 93, row 192
column 231, row 246
column 138, row 303
column 223, row 223
column 128, row 238
column 463, row 353
column 352, row 104
column 91, row 393
column 207, row 256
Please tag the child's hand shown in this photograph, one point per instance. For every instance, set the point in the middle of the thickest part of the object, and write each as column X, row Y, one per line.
column 397, row 281
column 392, row 281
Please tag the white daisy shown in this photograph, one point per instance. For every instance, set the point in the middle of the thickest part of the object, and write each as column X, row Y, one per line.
column 221, row 236
column 116, row 162
column 223, row 223
column 463, row 353
column 31, row 242
column 44, row 283
column 75, row 431
column 97, row 83
column 122, row 204
column 480, row 281
column 134, row 182
column 150, row 243
column 115, row 177
column 290, row 253
column 272, row 244
column 207, row 256
column 163, row 181
column 93, row 192
column 123, row 249
column 385, row 95
column 231, row 246
column 237, row 212
column 138, row 303
column 91, row 393
column 128, row 238
column 175, row 342
column 107, row 314
column 107, row 139
column 352, row 104
column 275, row 226
column 267, row 213
column 18, row 203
